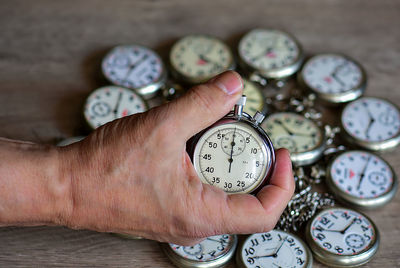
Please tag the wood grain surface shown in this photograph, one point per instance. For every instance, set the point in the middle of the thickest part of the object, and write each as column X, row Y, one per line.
column 50, row 54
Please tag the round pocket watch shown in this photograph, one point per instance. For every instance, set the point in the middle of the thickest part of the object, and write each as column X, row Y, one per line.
column 234, row 154
column 274, row 249
column 304, row 139
column 214, row 251
column 361, row 179
column 333, row 78
column 255, row 100
column 341, row 237
column 135, row 67
column 108, row 103
column 197, row 58
column 371, row 123
column 270, row 54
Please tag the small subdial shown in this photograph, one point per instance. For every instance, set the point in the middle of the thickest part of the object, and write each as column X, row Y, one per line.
column 387, row 118
column 193, row 250
column 101, row 109
column 355, row 241
column 377, row 178
column 233, row 143
column 287, row 142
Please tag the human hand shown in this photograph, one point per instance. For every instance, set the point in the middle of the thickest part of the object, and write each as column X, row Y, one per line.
column 134, row 176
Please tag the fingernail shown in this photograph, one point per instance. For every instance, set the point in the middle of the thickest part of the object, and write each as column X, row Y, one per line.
column 230, row 82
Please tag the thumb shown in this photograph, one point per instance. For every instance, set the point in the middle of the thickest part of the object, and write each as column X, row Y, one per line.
column 206, row 103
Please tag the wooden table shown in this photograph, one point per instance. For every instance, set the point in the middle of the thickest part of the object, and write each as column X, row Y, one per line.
column 50, row 54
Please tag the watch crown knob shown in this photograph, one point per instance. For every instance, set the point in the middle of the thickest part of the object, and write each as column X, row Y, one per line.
column 239, row 106
column 258, row 118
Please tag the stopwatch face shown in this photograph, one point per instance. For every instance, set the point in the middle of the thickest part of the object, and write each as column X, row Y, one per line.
column 134, row 67
column 342, row 236
column 333, row 77
column 254, row 97
column 296, row 133
column 274, row 249
column 197, row 58
column 372, row 123
column 270, row 50
column 233, row 157
column 362, row 178
column 109, row 103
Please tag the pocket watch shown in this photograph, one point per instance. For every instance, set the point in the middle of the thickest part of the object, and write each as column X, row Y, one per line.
column 371, row 123
column 108, row 103
column 341, row 237
column 197, row 58
column 255, row 99
column 234, row 154
column 361, row 179
column 214, row 251
column 135, row 67
column 274, row 249
column 270, row 54
column 333, row 78
column 70, row 140
column 304, row 139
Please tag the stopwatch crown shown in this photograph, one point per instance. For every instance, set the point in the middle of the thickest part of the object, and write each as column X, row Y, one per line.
column 239, row 105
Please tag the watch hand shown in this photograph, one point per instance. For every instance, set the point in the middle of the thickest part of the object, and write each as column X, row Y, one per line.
column 284, row 127
column 222, row 242
column 135, row 65
column 362, row 175
column 371, row 121
column 117, row 105
column 277, row 265
column 204, row 58
column 264, row 256
column 276, row 251
column 231, row 156
column 348, row 226
column 337, row 79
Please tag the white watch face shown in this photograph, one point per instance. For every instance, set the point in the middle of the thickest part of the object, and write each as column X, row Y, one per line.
column 293, row 132
column 254, row 97
column 132, row 66
column 233, row 157
column 332, row 74
column 109, row 103
column 210, row 249
column 371, row 119
column 268, row 49
column 200, row 57
column 342, row 231
column 361, row 174
column 274, row 249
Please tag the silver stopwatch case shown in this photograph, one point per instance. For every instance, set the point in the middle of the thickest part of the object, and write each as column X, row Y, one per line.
column 357, row 202
column 340, row 97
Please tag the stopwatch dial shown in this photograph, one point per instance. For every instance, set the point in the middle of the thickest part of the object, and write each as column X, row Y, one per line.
column 200, row 57
column 268, row 49
column 371, row 119
column 108, row 103
column 342, row 231
column 209, row 249
column 254, row 97
column 233, row 157
column 132, row 66
column 332, row 74
column 361, row 174
column 293, row 132
column 274, row 249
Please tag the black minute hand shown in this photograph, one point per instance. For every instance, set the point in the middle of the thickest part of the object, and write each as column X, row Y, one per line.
column 233, row 145
column 362, row 175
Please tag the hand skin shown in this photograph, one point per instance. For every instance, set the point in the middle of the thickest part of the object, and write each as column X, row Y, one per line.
column 133, row 176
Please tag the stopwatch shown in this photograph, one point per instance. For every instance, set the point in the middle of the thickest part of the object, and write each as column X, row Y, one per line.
column 255, row 99
column 362, row 179
column 197, row 58
column 70, row 140
column 269, row 53
column 333, row 78
column 274, row 249
column 304, row 139
column 371, row 123
column 111, row 102
column 135, row 67
column 342, row 237
column 214, row 251
column 234, row 154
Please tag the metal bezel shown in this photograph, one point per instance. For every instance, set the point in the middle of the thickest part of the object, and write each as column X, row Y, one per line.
column 336, row 98
column 335, row 260
column 124, row 88
column 373, row 146
column 200, row 79
column 278, row 73
column 181, row 262
column 151, row 89
column 356, row 202
column 308, row 264
column 247, row 120
column 307, row 157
